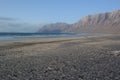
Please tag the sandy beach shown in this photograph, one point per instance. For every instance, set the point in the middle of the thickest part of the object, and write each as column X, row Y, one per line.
column 72, row 58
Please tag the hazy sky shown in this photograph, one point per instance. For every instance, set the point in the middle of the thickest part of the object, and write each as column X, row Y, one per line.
column 47, row 11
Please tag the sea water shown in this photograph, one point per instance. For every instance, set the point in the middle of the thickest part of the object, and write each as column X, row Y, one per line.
column 10, row 36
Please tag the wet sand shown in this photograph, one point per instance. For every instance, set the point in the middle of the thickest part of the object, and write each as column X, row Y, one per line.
column 90, row 58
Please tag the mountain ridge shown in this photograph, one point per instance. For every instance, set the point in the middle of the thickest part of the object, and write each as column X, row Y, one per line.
column 108, row 22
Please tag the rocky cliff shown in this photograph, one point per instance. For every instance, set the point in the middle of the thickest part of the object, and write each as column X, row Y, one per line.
column 100, row 23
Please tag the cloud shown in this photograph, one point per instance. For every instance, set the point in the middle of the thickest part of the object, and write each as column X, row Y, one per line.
column 18, row 27
column 11, row 25
column 6, row 19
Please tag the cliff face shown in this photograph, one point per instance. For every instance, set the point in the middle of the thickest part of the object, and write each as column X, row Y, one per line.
column 99, row 23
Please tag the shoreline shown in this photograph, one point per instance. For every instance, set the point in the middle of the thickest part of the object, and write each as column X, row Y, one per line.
column 20, row 38
column 29, row 41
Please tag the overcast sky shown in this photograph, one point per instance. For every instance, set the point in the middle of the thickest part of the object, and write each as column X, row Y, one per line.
column 47, row 11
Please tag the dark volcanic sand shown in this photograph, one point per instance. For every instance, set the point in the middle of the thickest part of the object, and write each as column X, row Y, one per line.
column 96, row 58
